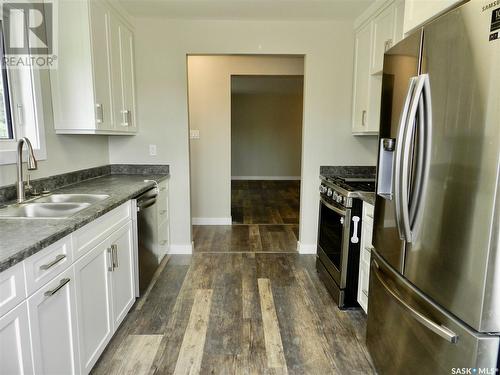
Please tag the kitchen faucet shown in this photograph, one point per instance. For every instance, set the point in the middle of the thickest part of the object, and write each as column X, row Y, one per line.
column 31, row 166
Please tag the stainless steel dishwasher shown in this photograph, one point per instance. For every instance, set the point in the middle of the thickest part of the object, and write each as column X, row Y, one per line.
column 146, row 237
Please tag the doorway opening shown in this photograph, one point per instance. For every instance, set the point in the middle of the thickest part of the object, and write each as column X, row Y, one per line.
column 245, row 116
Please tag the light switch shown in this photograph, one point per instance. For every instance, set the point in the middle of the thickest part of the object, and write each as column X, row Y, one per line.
column 194, row 134
column 152, row 150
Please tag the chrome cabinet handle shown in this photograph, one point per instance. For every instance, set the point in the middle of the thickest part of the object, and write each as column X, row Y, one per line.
column 363, row 117
column 110, row 259
column 62, row 283
column 126, row 117
column 58, row 258
column 355, row 238
column 114, row 252
column 438, row 329
column 99, row 113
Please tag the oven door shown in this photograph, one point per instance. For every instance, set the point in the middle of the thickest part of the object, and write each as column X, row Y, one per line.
column 333, row 240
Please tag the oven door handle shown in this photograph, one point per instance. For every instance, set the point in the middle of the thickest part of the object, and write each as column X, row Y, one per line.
column 333, row 208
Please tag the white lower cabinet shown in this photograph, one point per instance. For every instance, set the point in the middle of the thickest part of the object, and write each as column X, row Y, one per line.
column 15, row 346
column 365, row 254
column 57, row 315
column 52, row 315
column 93, row 296
column 105, row 291
column 123, row 285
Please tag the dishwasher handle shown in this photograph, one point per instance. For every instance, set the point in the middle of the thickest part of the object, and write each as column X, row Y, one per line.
column 142, row 204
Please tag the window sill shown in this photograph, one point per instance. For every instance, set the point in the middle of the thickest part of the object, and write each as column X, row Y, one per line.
column 10, row 156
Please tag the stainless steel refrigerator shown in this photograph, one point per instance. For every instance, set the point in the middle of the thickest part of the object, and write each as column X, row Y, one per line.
column 434, row 296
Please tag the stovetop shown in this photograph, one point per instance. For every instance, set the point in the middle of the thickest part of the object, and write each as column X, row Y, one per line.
column 352, row 184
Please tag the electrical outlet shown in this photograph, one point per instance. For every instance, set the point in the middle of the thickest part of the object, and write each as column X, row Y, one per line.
column 194, row 134
column 152, row 150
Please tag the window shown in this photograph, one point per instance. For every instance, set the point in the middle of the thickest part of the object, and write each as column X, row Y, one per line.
column 21, row 108
column 6, row 130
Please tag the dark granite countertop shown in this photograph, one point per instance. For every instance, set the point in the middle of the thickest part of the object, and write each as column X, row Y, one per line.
column 21, row 238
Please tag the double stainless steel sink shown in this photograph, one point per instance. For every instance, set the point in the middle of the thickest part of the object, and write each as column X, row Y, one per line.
column 55, row 206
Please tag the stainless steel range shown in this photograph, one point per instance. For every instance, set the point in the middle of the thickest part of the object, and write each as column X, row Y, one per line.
column 339, row 232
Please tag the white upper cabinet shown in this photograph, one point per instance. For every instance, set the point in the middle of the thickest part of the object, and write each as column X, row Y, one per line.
column 101, row 62
column 383, row 37
column 93, row 85
column 362, row 78
column 378, row 29
column 418, row 12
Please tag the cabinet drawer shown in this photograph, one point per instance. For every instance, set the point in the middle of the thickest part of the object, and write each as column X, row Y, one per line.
column 44, row 265
column 12, row 288
column 89, row 236
column 367, row 235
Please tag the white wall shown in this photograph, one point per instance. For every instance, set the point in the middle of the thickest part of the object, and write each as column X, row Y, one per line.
column 266, row 135
column 65, row 153
column 161, row 75
column 209, row 88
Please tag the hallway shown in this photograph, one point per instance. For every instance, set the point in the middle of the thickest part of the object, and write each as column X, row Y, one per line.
column 265, row 201
column 247, row 313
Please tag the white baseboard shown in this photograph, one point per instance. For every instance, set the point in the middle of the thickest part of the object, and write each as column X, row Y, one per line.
column 181, row 249
column 306, row 248
column 212, row 220
column 267, row 178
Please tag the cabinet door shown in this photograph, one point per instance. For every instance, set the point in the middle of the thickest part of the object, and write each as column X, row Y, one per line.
column 128, row 118
column 15, row 348
column 361, row 79
column 383, row 37
column 116, row 72
column 123, row 283
column 52, row 314
column 93, row 299
column 99, row 25
column 418, row 12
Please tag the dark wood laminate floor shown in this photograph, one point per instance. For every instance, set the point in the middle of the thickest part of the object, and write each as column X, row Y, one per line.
column 238, row 313
column 265, row 202
column 245, row 238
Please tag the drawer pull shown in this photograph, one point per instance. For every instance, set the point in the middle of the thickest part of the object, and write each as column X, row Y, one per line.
column 111, row 261
column 60, row 257
column 62, row 283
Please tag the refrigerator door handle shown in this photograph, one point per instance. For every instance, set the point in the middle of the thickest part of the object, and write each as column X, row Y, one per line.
column 438, row 329
column 403, row 124
column 423, row 158
column 406, row 160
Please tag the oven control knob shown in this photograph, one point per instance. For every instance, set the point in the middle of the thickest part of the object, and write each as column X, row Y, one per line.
column 339, row 199
column 335, row 195
column 329, row 192
column 322, row 189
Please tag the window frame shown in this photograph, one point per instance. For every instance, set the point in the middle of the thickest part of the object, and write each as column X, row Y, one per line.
column 8, row 147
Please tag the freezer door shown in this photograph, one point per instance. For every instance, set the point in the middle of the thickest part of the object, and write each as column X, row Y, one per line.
column 401, row 64
column 453, row 257
column 407, row 334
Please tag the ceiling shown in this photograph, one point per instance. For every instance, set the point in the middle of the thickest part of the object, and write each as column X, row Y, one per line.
column 267, row 84
column 247, row 9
